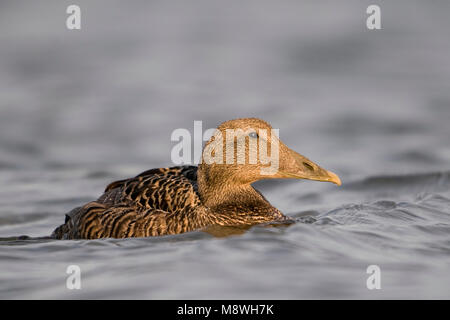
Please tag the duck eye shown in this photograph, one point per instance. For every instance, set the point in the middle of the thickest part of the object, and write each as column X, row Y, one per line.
column 253, row 134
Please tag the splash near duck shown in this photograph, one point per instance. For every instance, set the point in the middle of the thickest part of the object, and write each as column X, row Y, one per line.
column 180, row 199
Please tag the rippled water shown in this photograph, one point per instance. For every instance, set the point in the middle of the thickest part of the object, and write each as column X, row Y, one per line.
column 80, row 109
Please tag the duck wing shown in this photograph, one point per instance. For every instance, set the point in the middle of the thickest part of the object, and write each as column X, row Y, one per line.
column 155, row 202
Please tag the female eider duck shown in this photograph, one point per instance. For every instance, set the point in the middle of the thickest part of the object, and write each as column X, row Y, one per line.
column 185, row 198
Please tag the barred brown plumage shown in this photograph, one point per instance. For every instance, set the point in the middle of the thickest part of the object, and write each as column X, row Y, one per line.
column 179, row 199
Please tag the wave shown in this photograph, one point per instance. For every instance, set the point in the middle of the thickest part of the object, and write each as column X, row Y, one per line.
column 427, row 182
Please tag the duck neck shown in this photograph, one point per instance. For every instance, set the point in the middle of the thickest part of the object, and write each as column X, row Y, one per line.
column 223, row 191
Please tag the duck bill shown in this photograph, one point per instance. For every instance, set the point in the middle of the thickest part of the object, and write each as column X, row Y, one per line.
column 326, row 176
column 296, row 166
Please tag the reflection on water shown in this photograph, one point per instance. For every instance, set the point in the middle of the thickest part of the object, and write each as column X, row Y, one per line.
column 79, row 110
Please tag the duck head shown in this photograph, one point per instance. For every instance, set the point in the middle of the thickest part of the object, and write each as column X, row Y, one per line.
column 243, row 151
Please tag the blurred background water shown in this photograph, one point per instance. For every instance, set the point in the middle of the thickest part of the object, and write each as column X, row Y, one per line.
column 79, row 109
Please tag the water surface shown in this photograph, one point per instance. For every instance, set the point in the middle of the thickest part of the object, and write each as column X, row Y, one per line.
column 79, row 109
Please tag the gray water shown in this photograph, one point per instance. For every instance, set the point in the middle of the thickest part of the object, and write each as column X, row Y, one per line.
column 79, row 109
